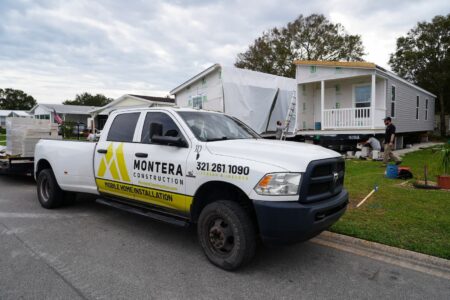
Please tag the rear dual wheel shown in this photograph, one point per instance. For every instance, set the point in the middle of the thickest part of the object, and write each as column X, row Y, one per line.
column 49, row 193
column 226, row 234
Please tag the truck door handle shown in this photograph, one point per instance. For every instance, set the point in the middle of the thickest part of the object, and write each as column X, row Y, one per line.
column 102, row 151
column 140, row 154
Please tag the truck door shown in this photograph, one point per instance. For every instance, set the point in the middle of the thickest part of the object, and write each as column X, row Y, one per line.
column 159, row 165
column 113, row 157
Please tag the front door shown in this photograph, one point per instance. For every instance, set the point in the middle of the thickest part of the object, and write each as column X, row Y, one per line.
column 113, row 157
column 159, row 170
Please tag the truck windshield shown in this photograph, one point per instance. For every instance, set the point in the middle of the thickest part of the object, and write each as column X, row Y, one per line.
column 209, row 127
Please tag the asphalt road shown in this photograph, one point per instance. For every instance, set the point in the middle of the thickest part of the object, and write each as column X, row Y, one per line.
column 89, row 251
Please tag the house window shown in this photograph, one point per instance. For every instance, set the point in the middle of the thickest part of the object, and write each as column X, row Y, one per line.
column 312, row 69
column 304, row 106
column 426, row 109
column 197, row 102
column 393, row 97
column 362, row 95
column 417, row 107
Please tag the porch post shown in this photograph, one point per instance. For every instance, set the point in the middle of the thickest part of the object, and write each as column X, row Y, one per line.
column 372, row 102
column 322, row 103
column 93, row 116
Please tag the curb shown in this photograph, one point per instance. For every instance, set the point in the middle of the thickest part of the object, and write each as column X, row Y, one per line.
column 404, row 258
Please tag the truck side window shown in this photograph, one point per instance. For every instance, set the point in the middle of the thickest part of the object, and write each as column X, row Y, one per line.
column 122, row 128
column 158, row 123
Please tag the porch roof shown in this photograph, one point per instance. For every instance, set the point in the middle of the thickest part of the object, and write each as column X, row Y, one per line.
column 358, row 65
column 345, row 64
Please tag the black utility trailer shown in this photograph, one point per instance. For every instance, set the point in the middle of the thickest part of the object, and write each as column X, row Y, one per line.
column 17, row 165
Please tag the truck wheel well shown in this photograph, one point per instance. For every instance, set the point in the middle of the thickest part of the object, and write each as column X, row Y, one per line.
column 218, row 190
column 42, row 165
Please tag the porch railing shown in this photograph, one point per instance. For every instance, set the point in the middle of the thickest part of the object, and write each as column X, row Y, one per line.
column 347, row 118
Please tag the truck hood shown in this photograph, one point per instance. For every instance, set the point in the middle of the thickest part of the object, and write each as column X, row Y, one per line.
column 291, row 156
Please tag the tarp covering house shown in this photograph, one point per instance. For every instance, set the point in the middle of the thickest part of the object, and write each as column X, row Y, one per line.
column 258, row 99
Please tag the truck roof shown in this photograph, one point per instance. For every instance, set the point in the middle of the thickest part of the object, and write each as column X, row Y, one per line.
column 163, row 108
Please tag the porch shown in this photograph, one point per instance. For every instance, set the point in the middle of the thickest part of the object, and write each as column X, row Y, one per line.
column 351, row 103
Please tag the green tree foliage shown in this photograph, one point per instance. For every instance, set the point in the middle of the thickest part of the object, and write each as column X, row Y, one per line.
column 89, row 100
column 423, row 57
column 12, row 99
column 307, row 38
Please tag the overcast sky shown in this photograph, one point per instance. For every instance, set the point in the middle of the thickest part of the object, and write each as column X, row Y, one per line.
column 55, row 49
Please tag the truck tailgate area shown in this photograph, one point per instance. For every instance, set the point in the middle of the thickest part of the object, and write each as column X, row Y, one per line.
column 71, row 162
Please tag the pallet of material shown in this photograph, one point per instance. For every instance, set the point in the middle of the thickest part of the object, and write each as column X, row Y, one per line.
column 22, row 135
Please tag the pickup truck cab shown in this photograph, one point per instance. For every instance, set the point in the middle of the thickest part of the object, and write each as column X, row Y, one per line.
column 186, row 166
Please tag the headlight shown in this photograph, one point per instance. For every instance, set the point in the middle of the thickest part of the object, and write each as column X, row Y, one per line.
column 279, row 184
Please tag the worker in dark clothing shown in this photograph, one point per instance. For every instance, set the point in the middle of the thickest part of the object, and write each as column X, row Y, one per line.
column 389, row 139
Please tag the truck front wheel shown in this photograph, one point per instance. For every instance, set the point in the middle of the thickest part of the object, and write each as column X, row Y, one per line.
column 226, row 234
column 49, row 193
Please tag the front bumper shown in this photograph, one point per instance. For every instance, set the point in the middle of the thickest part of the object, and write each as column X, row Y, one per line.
column 291, row 221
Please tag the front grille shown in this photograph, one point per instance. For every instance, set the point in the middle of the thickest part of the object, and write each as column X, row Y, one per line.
column 322, row 179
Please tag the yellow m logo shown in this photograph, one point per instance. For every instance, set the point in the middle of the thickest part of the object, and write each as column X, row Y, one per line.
column 114, row 161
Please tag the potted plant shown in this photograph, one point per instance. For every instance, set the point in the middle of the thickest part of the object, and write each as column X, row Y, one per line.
column 444, row 179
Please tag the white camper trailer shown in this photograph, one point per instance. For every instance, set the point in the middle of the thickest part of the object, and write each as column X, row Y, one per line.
column 258, row 99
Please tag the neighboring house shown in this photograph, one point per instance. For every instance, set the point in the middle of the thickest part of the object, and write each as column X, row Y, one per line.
column 100, row 114
column 258, row 99
column 350, row 99
column 11, row 113
column 68, row 113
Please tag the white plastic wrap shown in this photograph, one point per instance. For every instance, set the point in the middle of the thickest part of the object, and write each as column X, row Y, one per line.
column 249, row 96
column 22, row 135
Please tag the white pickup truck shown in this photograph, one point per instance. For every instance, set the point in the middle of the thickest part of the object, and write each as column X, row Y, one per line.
column 186, row 166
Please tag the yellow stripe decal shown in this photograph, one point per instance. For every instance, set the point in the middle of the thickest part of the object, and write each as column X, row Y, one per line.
column 157, row 197
column 121, row 163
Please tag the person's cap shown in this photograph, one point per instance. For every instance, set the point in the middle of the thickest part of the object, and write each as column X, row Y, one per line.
column 387, row 119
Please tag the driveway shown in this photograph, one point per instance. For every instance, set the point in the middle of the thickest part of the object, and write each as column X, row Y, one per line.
column 88, row 251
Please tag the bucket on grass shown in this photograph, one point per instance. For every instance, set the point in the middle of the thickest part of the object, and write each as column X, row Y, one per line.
column 392, row 171
column 375, row 154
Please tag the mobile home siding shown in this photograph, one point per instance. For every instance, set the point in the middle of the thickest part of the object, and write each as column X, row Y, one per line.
column 405, row 107
column 210, row 87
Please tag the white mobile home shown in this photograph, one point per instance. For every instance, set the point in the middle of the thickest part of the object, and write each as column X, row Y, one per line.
column 69, row 113
column 353, row 98
column 256, row 98
column 11, row 114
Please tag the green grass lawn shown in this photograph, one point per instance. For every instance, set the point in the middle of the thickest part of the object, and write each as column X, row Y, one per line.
column 398, row 215
column 2, row 139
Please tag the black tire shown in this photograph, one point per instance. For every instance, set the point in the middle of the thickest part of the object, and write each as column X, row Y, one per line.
column 49, row 193
column 226, row 234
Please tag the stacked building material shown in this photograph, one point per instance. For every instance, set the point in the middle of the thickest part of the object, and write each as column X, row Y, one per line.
column 22, row 135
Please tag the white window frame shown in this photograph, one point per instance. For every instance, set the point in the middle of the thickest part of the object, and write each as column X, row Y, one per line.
column 196, row 99
column 354, row 86
column 426, row 108
column 417, row 107
column 393, row 112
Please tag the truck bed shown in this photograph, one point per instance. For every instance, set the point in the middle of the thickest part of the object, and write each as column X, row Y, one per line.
column 72, row 163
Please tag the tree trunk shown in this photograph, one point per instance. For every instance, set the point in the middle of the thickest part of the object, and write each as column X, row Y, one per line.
column 442, row 114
